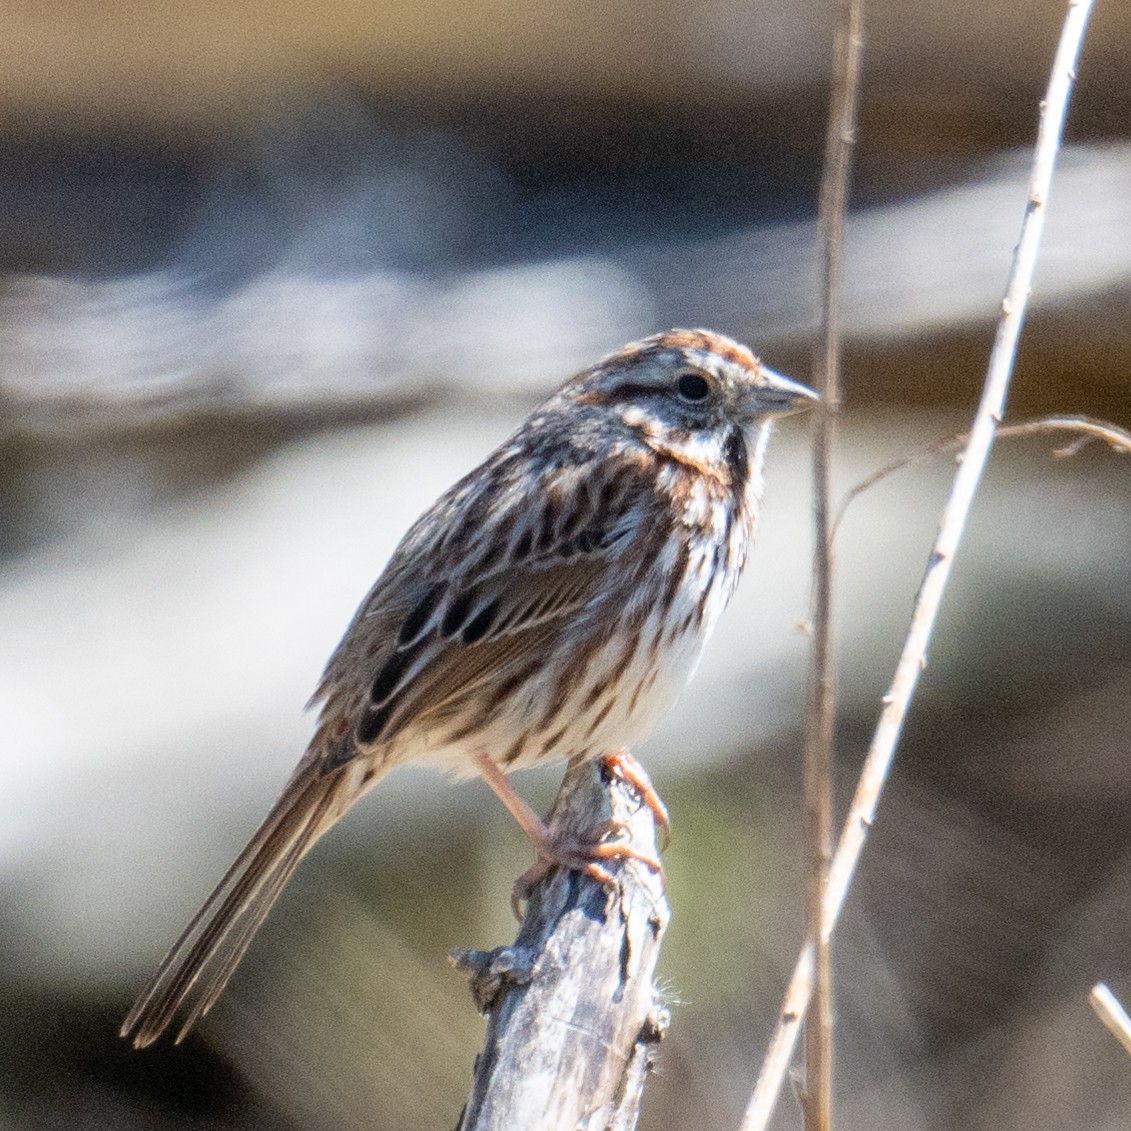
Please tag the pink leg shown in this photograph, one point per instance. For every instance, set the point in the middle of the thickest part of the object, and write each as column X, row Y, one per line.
column 550, row 850
column 627, row 768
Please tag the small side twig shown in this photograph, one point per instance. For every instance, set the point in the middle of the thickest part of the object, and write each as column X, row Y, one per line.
column 913, row 658
column 574, row 1013
column 1088, row 429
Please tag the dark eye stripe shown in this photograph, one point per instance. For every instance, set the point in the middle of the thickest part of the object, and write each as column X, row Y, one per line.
column 633, row 392
column 692, row 387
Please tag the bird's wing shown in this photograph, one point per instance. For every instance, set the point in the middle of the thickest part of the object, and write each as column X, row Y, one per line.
column 492, row 619
column 483, row 630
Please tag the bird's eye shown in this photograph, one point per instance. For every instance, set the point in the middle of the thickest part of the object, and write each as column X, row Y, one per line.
column 693, row 386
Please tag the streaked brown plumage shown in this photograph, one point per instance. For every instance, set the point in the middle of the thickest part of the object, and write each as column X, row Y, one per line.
column 551, row 604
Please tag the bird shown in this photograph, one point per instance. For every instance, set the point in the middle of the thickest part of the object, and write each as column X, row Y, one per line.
column 550, row 605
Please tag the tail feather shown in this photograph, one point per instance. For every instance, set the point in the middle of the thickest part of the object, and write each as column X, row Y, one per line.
column 201, row 961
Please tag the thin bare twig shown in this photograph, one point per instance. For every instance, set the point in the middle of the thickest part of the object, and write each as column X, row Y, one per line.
column 913, row 660
column 1111, row 1013
column 820, row 710
column 1111, row 434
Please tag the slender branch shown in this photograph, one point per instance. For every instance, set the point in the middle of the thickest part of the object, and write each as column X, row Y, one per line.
column 1111, row 1013
column 821, row 706
column 913, row 658
column 1090, row 429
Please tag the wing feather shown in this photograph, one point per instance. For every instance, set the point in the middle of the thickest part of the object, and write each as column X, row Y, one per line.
column 481, row 623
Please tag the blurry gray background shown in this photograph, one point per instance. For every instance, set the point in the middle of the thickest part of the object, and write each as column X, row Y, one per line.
column 275, row 274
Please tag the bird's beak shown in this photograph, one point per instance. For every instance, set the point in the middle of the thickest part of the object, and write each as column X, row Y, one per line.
column 775, row 395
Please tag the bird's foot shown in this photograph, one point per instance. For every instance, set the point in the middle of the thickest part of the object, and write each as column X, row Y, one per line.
column 621, row 764
column 585, row 856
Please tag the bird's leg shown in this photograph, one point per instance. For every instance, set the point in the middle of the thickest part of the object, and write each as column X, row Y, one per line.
column 623, row 765
column 552, row 850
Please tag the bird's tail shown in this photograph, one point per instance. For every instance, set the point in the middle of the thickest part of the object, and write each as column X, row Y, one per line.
column 201, row 961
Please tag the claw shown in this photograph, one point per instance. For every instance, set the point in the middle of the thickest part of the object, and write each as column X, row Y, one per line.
column 577, row 856
column 623, row 765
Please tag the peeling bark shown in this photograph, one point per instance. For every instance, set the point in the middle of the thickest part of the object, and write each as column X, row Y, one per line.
column 574, row 1015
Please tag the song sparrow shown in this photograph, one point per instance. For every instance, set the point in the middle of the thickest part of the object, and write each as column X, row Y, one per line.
column 551, row 604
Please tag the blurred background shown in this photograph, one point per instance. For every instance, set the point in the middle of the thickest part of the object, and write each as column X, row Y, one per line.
column 275, row 274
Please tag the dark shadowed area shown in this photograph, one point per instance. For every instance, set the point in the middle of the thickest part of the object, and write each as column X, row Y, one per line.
column 273, row 275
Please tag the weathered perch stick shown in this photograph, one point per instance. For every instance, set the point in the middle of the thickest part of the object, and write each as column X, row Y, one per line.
column 574, row 1014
